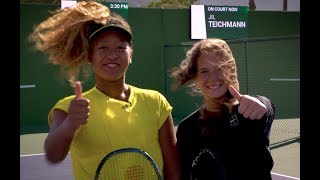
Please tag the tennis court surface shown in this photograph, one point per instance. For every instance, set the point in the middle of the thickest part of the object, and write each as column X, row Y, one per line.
column 35, row 167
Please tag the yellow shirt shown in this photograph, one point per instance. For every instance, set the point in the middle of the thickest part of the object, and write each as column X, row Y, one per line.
column 115, row 124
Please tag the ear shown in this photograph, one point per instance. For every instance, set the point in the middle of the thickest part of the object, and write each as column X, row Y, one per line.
column 130, row 55
column 89, row 57
column 130, row 61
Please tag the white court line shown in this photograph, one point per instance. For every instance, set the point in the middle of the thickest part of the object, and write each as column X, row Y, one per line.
column 282, row 175
column 285, row 176
column 283, row 79
column 26, row 155
column 28, row 86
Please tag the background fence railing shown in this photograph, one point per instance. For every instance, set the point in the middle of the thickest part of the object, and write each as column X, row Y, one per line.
column 266, row 66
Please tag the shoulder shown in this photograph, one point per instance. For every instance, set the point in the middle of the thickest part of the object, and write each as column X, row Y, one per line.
column 143, row 90
column 266, row 101
column 189, row 121
column 192, row 116
column 149, row 93
column 271, row 110
column 66, row 100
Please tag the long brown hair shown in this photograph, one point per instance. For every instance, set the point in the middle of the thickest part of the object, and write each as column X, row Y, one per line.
column 185, row 73
column 64, row 36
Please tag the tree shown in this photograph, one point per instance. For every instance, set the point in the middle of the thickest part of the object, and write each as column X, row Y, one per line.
column 171, row 3
column 41, row 1
column 49, row 1
column 152, row 3
column 252, row 5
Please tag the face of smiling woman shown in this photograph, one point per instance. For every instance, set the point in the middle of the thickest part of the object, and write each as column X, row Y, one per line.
column 210, row 78
column 110, row 56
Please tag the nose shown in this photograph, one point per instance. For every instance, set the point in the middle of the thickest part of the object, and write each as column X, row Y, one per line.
column 215, row 74
column 112, row 54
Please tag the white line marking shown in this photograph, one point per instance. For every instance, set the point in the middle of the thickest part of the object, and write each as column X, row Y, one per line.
column 285, row 176
column 295, row 178
column 26, row 155
column 28, row 86
column 283, row 79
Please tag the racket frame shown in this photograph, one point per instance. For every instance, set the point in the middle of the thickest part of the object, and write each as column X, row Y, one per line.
column 123, row 150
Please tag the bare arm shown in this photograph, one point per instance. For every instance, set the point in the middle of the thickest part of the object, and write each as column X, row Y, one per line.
column 57, row 143
column 168, row 142
column 64, row 126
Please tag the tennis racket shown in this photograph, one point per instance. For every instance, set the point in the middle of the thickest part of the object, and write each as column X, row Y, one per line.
column 207, row 165
column 128, row 164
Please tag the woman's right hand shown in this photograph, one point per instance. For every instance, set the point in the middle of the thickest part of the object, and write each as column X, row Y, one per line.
column 78, row 111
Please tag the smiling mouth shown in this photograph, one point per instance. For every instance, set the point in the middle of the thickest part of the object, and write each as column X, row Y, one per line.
column 214, row 86
column 112, row 65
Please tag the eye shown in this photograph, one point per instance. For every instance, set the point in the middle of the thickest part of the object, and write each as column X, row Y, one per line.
column 203, row 71
column 102, row 47
column 121, row 47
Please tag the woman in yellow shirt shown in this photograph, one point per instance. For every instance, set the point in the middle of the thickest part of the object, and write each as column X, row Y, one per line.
column 112, row 114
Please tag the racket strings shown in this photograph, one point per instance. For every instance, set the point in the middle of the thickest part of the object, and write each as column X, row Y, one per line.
column 134, row 173
column 128, row 166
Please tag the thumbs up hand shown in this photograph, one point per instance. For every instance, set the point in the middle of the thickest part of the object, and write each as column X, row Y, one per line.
column 78, row 111
column 78, row 90
column 249, row 107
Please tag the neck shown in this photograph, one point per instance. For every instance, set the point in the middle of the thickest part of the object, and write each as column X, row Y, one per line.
column 115, row 90
column 214, row 105
column 213, row 108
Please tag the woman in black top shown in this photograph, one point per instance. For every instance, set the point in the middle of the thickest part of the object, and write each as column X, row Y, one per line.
column 235, row 128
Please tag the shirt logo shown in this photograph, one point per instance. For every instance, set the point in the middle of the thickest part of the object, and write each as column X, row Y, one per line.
column 127, row 107
column 234, row 121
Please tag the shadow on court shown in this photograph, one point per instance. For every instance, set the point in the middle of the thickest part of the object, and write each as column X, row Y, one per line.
column 35, row 167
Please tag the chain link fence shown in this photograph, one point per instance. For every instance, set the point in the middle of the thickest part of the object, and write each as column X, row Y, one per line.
column 266, row 66
column 271, row 67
